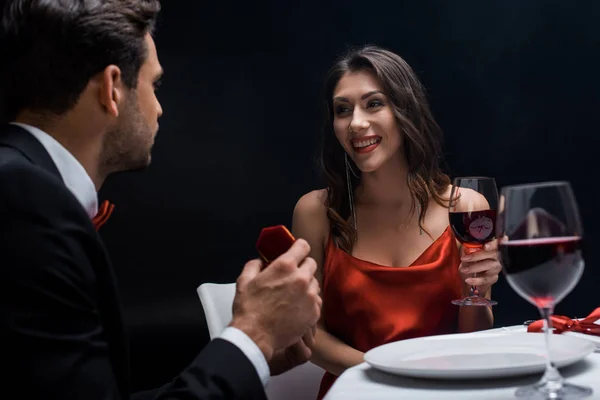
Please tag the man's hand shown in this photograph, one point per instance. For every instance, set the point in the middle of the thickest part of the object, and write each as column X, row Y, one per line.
column 275, row 307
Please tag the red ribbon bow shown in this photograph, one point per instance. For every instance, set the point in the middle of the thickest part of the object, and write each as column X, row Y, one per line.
column 103, row 214
column 562, row 324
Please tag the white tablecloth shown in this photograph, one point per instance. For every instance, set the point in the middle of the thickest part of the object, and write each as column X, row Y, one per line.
column 364, row 382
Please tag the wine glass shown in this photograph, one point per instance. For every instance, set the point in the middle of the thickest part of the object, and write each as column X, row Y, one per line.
column 472, row 218
column 540, row 234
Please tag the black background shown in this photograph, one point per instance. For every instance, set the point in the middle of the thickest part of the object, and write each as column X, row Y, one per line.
column 514, row 84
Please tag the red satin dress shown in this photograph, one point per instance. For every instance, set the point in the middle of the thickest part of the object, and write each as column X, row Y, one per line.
column 366, row 305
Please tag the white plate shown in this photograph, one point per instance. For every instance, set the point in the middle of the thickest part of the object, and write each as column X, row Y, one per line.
column 591, row 338
column 482, row 355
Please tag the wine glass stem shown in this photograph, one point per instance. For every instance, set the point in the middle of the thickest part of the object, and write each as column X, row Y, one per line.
column 552, row 379
column 474, row 292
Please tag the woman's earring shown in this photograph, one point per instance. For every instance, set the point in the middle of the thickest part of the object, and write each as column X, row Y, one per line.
column 349, row 166
column 350, row 195
column 418, row 208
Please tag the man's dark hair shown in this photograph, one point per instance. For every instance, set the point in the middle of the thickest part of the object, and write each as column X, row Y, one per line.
column 50, row 49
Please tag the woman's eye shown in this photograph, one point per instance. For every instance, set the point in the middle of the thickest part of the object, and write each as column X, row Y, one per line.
column 374, row 103
column 341, row 110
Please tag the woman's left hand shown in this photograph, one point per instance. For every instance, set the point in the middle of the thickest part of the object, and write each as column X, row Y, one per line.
column 484, row 263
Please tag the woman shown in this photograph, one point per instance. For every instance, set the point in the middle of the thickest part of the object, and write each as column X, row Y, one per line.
column 388, row 263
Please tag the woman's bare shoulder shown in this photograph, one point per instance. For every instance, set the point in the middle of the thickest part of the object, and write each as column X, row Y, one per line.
column 312, row 204
column 310, row 217
column 473, row 199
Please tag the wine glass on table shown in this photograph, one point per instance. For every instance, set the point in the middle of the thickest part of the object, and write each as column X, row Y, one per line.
column 473, row 204
column 540, row 236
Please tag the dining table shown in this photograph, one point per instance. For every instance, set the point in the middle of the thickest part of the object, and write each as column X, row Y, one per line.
column 363, row 381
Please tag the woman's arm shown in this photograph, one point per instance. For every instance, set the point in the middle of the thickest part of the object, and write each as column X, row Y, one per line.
column 472, row 319
column 311, row 224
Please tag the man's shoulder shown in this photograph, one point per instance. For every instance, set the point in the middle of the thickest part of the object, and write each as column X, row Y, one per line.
column 24, row 183
column 16, row 169
column 10, row 156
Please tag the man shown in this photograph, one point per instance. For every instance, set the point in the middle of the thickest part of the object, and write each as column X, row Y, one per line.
column 78, row 81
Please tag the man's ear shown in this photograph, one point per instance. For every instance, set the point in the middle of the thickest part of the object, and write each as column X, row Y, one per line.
column 111, row 89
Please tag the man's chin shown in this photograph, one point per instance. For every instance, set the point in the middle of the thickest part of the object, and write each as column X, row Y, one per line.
column 142, row 164
column 133, row 166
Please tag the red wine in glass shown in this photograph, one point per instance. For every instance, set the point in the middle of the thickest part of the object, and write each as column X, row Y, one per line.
column 543, row 270
column 472, row 215
column 540, row 242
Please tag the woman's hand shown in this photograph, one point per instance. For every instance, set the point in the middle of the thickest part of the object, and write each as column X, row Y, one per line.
column 484, row 263
column 297, row 354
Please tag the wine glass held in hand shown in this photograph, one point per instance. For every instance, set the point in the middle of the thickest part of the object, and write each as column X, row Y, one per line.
column 473, row 203
column 540, row 237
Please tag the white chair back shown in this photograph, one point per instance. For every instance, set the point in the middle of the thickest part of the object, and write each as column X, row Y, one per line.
column 300, row 383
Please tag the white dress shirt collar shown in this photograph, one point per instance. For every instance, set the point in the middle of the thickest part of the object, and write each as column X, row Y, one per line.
column 72, row 172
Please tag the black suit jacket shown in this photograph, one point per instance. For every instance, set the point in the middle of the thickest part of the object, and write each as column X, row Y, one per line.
column 61, row 334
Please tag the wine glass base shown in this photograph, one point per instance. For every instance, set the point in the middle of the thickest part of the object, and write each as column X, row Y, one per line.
column 541, row 391
column 474, row 301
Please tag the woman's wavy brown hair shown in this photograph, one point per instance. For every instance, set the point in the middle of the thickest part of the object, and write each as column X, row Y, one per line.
column 422, row 142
